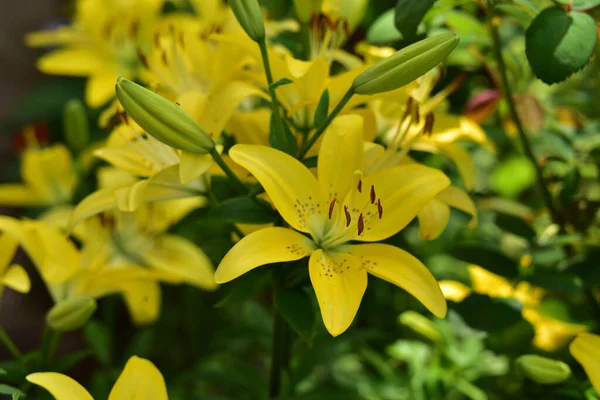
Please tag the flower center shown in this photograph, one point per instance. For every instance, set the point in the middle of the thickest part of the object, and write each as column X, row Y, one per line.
column 326, row 35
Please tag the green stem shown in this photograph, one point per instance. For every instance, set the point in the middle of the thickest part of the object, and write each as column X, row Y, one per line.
column 272, row 91
column 240, row 186
column 280, row 354
column 10, row 345
column 340, row 106
column 50, row 341
column 527, row 148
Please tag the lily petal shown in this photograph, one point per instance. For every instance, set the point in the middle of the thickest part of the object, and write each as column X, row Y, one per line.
column 180, row 260
column 72, row 62
column 193, row 165
column 586, row 350
column 143, row 302
column 341, row 153
column 14, row 194
column 8, row 248
column 266, row 246
column 140, row 379
column 100, row 88
column 17, row 279
column 293, row 189
column 95, row 203
column 404, row 270
column 459, row 199
column 340, row 282
column 403, row 192
column 462, row 160
column 433, row 219
column 60, row 386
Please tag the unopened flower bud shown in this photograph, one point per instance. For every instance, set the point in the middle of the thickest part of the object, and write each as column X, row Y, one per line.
column 543, row 370
column 305, row 9
column 420, row 324
column 249, row 15
column 161, row 118
column 405, row 65
column 76, row 126
column 71, row 314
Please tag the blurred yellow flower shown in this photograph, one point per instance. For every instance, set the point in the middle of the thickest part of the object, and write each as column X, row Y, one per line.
column 12, row 276
column 102, row 44
column 140, row 379
column 338, row 208
column 586, row 350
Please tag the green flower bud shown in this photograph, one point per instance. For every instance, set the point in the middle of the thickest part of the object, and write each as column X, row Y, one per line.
column 163, row 119
column 76, row 126
column 420, row 324
column 71, row 314
column 543, row 370
column 306, row 8
column 405, row 65
column 249, row 15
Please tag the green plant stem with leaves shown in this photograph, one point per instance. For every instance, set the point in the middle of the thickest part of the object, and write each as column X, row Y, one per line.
column 338, row 108
column 514, row 115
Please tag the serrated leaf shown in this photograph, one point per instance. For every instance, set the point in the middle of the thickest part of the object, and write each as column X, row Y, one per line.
column 409, row 14
column 281, row 82
column 242, row 210
column 297, row 309
column 322, row 109
column 488, row 256
column 383, row 29
column 560, row 43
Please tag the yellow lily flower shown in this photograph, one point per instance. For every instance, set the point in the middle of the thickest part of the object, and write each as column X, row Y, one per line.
column 140, row 379
column 49, row 179
column 101, row 43
column 335, row 210
column 12, row 276
column 585, row 349
column 551, row 334
column 410, row 119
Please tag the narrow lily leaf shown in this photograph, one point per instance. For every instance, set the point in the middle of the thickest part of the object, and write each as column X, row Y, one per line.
column 284, row 141
column 281, row 82
column 322, row 109
column 409, row 14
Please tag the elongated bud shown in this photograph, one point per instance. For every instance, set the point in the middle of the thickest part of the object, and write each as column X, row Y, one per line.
column 420, row 324
column 71, row 314
column 543, row 370
column 249, row 15
column 405, row 65
column 305, row 9
column 76, row 126
column 162, row 119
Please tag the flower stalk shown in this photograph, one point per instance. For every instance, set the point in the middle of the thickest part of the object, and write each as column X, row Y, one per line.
column 10, row 345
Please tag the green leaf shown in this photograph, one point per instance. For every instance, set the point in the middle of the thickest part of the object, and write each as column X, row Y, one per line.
column 513, row 176
column 281, row 82
column 580, row 4
column 242, row 210
column 98, row 337
column 282, row 140
column 409, row 14
column 560, row 43
column 322, row 109
column 67, row 362
column 9, row 390
column 297, row 309
column 310, row 162
column 556, row 281
column 490, row 315
column 383, row 29
column 488, row 256
column 515, row 225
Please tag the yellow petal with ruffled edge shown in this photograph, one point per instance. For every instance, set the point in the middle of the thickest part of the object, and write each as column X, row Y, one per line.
column 586, row 350
column 341, row 154
column 293, row 189
column 17, row 279
column 340, row 282
column 180, row 261
column 143, row 300
column 403, row 192
column 60, row 386
column 457, row 198
column 100, row 88
column 266, row 246
column 433, row 219
column 140, row 379
column 72, row 62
